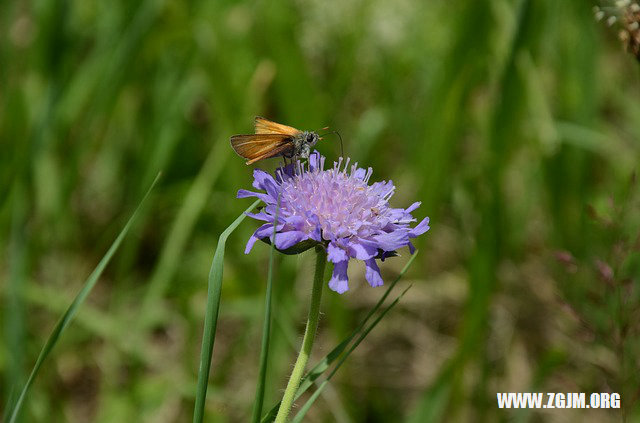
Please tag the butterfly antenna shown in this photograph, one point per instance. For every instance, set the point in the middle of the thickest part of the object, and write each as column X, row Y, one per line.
column 339, row 136
column 341, row 143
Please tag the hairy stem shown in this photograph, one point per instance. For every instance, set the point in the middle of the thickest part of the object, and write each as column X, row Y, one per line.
column 307, row 341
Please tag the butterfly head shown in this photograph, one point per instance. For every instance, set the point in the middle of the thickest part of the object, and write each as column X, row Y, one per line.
column 307, row 140
column 311, row 138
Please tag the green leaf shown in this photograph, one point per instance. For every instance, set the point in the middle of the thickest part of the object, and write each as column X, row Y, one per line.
column 211, row 316
column 68, row 316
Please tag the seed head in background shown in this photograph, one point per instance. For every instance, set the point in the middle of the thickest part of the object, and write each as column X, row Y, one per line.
column 336, row 208
column 626, row 15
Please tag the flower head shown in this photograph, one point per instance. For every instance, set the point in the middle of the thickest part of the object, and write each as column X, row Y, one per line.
column 336, row 208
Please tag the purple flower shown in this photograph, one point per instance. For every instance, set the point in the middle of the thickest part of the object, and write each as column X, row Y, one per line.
column 335, row 208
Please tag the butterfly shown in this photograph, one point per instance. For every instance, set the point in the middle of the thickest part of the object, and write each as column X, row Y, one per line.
column 273, row 139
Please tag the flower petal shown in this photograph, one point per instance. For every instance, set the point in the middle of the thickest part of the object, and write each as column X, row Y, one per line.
column 260, row 216
column 288, row 239
column 383, row 189
column 362, row 249
column 284, row 173
column 339, row 281
column 390, row 241
column 316, row 233
column 243, row 193
column 412, row 207
column 420, row 229
column 260, row 177
column 263, row 180
column 315, row 161
column 261, row 232
column 373, row 273
column 336, row 254
column 360, row 173
column 297, row 222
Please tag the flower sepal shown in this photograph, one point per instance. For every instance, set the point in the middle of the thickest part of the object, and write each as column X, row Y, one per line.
column 298, row 248
column 383, row 255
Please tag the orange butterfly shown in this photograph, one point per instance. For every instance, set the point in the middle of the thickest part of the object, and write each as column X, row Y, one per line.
column 274, row 139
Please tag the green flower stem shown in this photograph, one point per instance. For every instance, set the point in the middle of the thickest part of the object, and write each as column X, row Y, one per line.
column 307, row 341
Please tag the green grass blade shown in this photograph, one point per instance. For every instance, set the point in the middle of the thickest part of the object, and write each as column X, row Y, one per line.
column 298, row 418
column 14, row 326
column 324, row 364
column 68, row 316
column 211, row 316
column 266, row 329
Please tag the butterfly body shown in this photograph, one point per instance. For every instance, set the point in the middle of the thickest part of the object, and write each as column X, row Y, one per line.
column 273, row 139
column 303, row 143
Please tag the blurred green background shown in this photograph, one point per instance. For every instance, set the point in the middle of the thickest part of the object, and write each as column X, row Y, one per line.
column 514, row 122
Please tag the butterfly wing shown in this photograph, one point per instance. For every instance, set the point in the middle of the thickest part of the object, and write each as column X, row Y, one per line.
column 265, row 126
column 261, row 146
